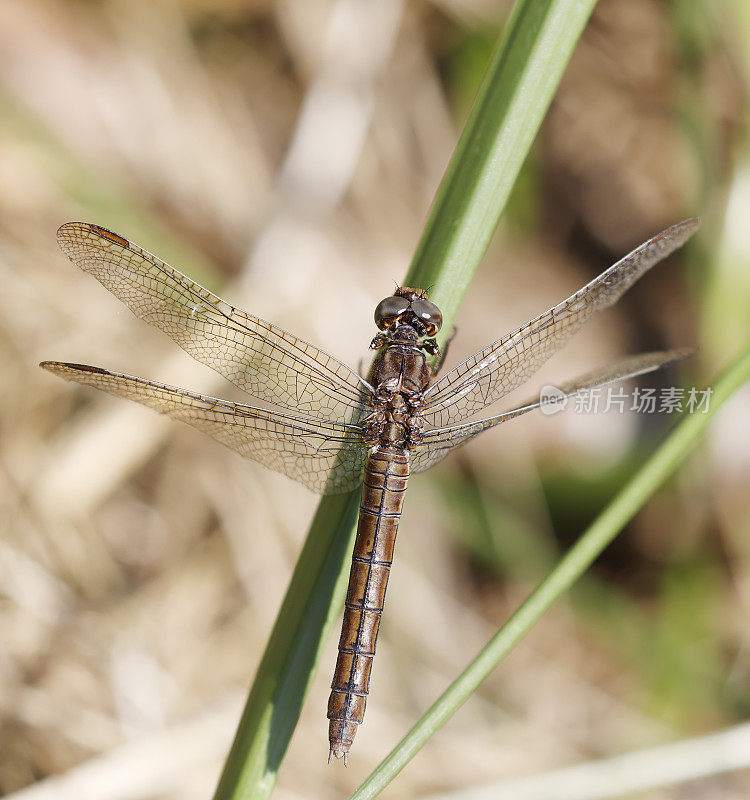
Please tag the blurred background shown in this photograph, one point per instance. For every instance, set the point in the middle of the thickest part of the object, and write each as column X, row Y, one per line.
column 285, row 155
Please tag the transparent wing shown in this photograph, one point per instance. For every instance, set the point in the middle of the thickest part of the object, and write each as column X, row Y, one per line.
column 327, row 457
column 437, row 443
column 510, row 361
column 258, row 357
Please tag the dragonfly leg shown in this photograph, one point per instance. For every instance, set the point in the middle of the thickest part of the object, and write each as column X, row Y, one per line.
column 443, row 352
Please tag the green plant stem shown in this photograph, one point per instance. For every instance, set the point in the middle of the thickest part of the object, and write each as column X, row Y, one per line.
column 516, row 91
column 309, row 610
column 579, row 558
column 537, row 42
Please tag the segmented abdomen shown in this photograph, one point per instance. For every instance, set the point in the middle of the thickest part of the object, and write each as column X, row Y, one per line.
column 383, row 490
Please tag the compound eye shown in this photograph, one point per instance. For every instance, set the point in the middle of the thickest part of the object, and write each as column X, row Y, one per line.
column 428, row 314
column 389, row 310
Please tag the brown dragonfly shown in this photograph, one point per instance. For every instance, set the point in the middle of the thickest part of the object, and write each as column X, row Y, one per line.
column 337, row 430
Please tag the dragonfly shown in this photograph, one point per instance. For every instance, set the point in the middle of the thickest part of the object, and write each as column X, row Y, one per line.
column 332, row 429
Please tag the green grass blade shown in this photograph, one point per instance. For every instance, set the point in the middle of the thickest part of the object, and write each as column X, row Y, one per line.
column 515, row 94
column 521, row 79
column 579, row 558
column 307, row 614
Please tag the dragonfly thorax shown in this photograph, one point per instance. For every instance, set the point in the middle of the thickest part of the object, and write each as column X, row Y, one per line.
column 400, row 376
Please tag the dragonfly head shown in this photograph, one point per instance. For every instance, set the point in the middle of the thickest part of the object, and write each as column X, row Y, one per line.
column 411, row 307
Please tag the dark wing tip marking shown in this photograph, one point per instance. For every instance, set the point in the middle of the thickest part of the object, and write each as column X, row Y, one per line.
column 686, row 226
column 679, row 354
column 691, row 224
column 105, row 233
column 58, row 367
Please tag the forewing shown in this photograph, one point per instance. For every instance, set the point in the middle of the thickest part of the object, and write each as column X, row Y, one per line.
column 327, row 457
column 507, row 363
column 437, row 443
column 263, row 360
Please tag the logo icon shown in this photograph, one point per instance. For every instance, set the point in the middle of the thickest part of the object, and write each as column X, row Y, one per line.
column 552, row 400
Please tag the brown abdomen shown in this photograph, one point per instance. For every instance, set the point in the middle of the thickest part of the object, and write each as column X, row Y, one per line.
column 383, row 491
